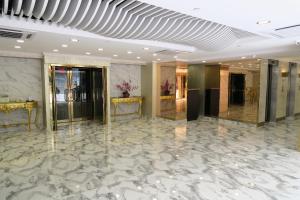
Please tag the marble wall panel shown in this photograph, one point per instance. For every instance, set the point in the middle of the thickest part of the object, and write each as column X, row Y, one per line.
column 120, row 73
column 21, row 78
column 297, row 101
column 282, row 90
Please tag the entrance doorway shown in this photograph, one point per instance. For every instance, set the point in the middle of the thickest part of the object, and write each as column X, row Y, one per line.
column 237, row 89
column 78, row 94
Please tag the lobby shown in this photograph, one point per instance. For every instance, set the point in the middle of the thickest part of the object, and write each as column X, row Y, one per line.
column 149, row 100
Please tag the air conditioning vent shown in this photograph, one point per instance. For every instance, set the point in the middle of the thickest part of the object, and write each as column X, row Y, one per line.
column 15, row 34
column 289, row 31
column 170, row 52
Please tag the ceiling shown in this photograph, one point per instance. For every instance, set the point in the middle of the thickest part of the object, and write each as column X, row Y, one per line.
column 193, row 31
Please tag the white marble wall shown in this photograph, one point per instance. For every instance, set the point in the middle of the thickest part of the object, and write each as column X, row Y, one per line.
column 120, row 72
column 263, row 91
column 282, row 90
column 297, row 101
column 21, row 78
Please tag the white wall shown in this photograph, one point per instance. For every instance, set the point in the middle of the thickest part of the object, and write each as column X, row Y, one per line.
column 297, row 101
column 119, row 73
column 21, row 78
column 282, row 90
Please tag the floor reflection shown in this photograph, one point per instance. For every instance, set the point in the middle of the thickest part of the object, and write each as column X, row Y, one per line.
column 158, row 159
column 246, row 113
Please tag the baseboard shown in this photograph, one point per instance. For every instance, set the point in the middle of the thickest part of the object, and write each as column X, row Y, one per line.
column 260, row 124
column 280, row 119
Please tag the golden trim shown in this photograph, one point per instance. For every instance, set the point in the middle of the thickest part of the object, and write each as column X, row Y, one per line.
column 12, row 106
column 168, row 97
column 53, row 107
column 130, row 100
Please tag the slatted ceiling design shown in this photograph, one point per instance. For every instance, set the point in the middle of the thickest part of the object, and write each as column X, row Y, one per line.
column 39, row 8
column 27, row 7
column 51, row 9
column 71, row 12
column 82, row 13
column 90, row 15
column 127, row 19
column 61, row 10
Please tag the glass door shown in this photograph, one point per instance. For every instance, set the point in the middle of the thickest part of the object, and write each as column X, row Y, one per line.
column 62, row 93
column 79, row 94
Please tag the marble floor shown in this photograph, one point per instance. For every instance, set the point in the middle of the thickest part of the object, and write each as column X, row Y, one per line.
column 153, row 160
column 246, row 113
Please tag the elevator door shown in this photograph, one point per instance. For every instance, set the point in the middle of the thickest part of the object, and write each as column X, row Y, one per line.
column 237, row 89
column 78, row 94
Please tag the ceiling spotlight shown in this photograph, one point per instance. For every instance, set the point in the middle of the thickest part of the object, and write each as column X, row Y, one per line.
column 115, row 55
column 243, row 57
column 20, row 41
column 100, row 49
column 17, row 47
column 146, row 48
column 64, row 45
column 155, row 54
column 87, row 53
column 138, row 57
column 129, row 52
column 74, row 40
column 175, row 57
column 158, row 59
column 204, row 61
column 261, row 22
column 55, row 50
column 220, row 63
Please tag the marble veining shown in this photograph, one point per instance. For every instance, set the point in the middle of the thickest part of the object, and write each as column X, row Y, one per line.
column 153, row 160
column 120, row 73
column 20, row 79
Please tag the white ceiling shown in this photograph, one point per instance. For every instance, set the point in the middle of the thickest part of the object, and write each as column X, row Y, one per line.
column 239, row 14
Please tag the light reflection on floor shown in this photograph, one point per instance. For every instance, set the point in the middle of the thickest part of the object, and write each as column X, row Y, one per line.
column 157, row 159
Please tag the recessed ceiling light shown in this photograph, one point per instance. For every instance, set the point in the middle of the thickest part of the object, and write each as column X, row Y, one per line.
column 204, row 61
column 20, row 41
column 138, row 57
column 146, row 48
column 100, row 49
column 129, row 52
column 74, row 40
column 64, row 45
column 55, row 50
column 87, row 53
column 155, row 54
column 158, row 59
column 17, row 47
column 243, row 57
column 261, row 22
column 175, row 56
column 115, row 55
column 220, row 63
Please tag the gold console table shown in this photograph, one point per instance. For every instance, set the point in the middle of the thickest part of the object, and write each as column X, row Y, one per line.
column 11, row 106
column 130, row 100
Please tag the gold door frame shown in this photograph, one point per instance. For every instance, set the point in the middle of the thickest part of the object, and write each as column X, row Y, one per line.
column 53, row 105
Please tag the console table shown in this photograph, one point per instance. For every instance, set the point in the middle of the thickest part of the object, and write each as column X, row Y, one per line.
column 130, row 100
column 11, row 106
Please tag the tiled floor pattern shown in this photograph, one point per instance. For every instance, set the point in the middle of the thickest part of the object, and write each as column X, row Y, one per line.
column 153, row 160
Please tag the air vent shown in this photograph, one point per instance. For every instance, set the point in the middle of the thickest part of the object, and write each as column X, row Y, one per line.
column 15, row 34
column 170, row 52
column 289, row 31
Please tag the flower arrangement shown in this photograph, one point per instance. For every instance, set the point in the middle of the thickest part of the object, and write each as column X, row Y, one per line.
column 125, row 87
column 165, row 88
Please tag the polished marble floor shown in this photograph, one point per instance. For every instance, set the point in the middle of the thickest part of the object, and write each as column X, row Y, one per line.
column 153, row 160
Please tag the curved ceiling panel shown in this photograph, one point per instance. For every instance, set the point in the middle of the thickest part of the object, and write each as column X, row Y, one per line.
column 128, row 19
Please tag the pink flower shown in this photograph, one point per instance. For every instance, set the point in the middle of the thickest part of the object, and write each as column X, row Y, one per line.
column 126, row 86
